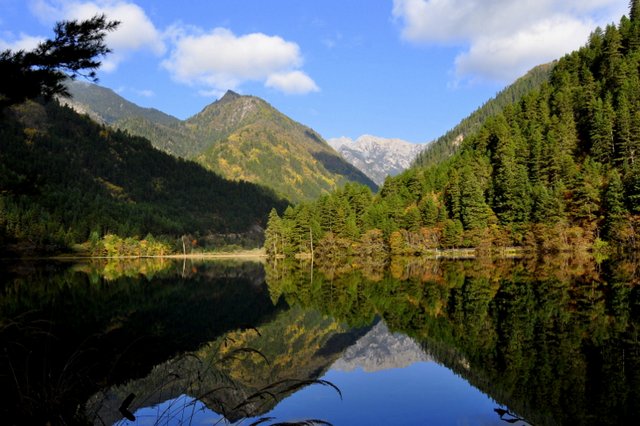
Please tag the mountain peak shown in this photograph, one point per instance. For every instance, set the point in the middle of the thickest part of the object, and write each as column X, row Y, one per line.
column 377, row 157
column 244, row 138
column 230, row 95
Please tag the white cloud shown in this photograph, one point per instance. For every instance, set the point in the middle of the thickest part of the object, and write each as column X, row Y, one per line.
column 220, row 60
column 504, row 58
column 135, row 33
column 24, row 42
column 501, row 39
column 293, row 83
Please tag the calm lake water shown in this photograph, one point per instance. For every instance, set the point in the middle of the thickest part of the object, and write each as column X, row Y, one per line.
column 403, row 342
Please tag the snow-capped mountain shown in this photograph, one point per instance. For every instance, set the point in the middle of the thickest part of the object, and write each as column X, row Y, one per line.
column 381, row 350
column 377, row 157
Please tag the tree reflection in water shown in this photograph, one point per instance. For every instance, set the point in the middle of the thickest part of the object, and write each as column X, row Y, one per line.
column 67, row 332
column 555, row 340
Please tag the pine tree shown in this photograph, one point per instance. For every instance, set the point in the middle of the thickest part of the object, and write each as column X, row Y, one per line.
column 634, row 145
column 586, row 193
column 474, row 211
column 452, row 195
column 623, row 130
column 548, row 205
column 412, row 219
column 634, row 34
column 429, row 211
column 602, row 142
column 452, row 233
column 74, row 51
column 511, row 199
column 287, row 232
column 632, row 189
column 634, row 10
column 613, row 205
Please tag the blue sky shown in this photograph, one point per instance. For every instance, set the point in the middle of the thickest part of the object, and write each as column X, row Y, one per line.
column 408, row 69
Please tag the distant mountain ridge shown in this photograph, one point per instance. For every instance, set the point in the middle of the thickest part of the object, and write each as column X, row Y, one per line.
column 240, row 137
column 377, row 157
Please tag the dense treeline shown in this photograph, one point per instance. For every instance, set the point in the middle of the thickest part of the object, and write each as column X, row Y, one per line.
column 64, row 177
column 554, row 171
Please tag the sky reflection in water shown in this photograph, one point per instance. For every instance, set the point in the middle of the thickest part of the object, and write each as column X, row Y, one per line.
column 423, row 393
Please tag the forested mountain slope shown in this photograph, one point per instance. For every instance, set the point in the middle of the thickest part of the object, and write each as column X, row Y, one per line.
column 446, row 145
column 166, row 132
column 250, row 140
column 239, row 137
column 64, row 177
column 558, row 169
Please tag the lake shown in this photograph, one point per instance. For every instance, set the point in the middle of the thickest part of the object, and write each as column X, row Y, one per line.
column 400, row 342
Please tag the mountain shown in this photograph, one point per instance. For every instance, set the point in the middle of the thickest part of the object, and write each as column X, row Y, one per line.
column 446, row 145
column 105, row 106
column 64, row 177
column 380, row 350
column 240, row 137
column 555, row 169
column 377, row 157
column 250, row 140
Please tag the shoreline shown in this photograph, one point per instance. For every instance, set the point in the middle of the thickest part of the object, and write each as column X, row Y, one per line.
column 246, row 254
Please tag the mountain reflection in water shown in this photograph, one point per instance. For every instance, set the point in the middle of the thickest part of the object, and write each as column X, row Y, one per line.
column 552, row 341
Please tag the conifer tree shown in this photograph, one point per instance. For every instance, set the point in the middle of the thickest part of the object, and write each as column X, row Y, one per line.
column 452, row 233
column 507, row 182
column 586, row 192
column 634, row 27
column 474, row 211
column 74, row 51
column 452, row 195
column 412, row 219
column 429, row 211
column 634, row 10
column 632, row 188
column 613, row 205
column 602, row 141
column 623, row 130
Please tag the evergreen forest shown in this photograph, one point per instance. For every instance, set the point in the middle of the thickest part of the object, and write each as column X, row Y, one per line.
column 65, row 180
column 556, row 170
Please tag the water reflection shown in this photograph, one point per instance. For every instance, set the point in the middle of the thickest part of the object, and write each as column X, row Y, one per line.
column 556, row 341
column 381, row 350
column 552, row 341
column 68, row 332
column 244, row 373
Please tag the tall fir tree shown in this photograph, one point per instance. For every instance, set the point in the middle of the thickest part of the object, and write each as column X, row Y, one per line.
column 474, row 211
column 613, row 205
column 634, row 10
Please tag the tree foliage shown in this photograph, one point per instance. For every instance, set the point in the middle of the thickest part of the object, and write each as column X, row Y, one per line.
column 74, row 51
column 554, row 169
column 64, row 177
